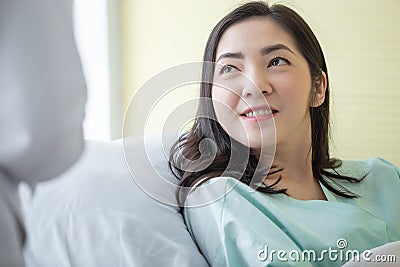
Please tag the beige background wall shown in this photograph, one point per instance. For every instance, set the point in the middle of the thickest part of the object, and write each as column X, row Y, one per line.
column 361, row 41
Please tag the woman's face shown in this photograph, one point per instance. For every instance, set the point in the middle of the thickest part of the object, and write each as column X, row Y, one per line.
column 258, row 49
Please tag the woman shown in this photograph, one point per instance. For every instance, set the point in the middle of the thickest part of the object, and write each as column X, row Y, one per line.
column 308, row 208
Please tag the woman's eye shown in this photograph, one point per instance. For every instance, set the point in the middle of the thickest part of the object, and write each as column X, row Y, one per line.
column 278, row 61
column 228, row 69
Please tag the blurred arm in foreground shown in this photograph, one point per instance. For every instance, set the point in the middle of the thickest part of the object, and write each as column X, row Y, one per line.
column 42, row 98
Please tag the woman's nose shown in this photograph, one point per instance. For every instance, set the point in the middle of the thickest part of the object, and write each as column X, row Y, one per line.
column 257, row 83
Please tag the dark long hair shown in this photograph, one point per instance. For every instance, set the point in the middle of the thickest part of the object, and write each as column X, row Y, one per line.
column 189, row 146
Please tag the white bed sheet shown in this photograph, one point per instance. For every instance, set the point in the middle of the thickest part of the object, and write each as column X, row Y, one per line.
column 96, row 215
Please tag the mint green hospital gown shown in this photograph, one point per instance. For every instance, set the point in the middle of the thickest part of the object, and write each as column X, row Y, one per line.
column 248, row 228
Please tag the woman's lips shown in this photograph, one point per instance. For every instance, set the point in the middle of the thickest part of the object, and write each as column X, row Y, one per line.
column 259, row 114
column 257, row 118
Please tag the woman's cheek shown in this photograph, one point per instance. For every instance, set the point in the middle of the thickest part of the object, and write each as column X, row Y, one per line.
column 225, row 103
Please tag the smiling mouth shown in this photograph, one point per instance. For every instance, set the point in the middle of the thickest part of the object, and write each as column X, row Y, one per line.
column 259, row 113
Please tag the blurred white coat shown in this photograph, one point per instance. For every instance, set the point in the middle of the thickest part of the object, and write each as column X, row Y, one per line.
column 42, row 98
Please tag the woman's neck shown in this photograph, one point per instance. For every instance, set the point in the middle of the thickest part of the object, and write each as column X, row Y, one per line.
column 296, row 161
column 294, row 157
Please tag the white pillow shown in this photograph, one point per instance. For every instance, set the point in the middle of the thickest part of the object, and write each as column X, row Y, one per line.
column 96, row 215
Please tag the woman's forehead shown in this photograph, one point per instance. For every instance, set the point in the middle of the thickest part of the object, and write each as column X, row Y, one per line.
column 253, row 33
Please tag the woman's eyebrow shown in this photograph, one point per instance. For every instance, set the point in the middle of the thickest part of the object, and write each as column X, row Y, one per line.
column 238, row 55
column 269, row 49
column 264, row 51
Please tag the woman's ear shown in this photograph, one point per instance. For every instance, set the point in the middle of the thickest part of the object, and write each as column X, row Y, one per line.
column 319, row 90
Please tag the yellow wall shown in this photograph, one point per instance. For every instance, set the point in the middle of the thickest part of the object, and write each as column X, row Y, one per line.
column 361, row 41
